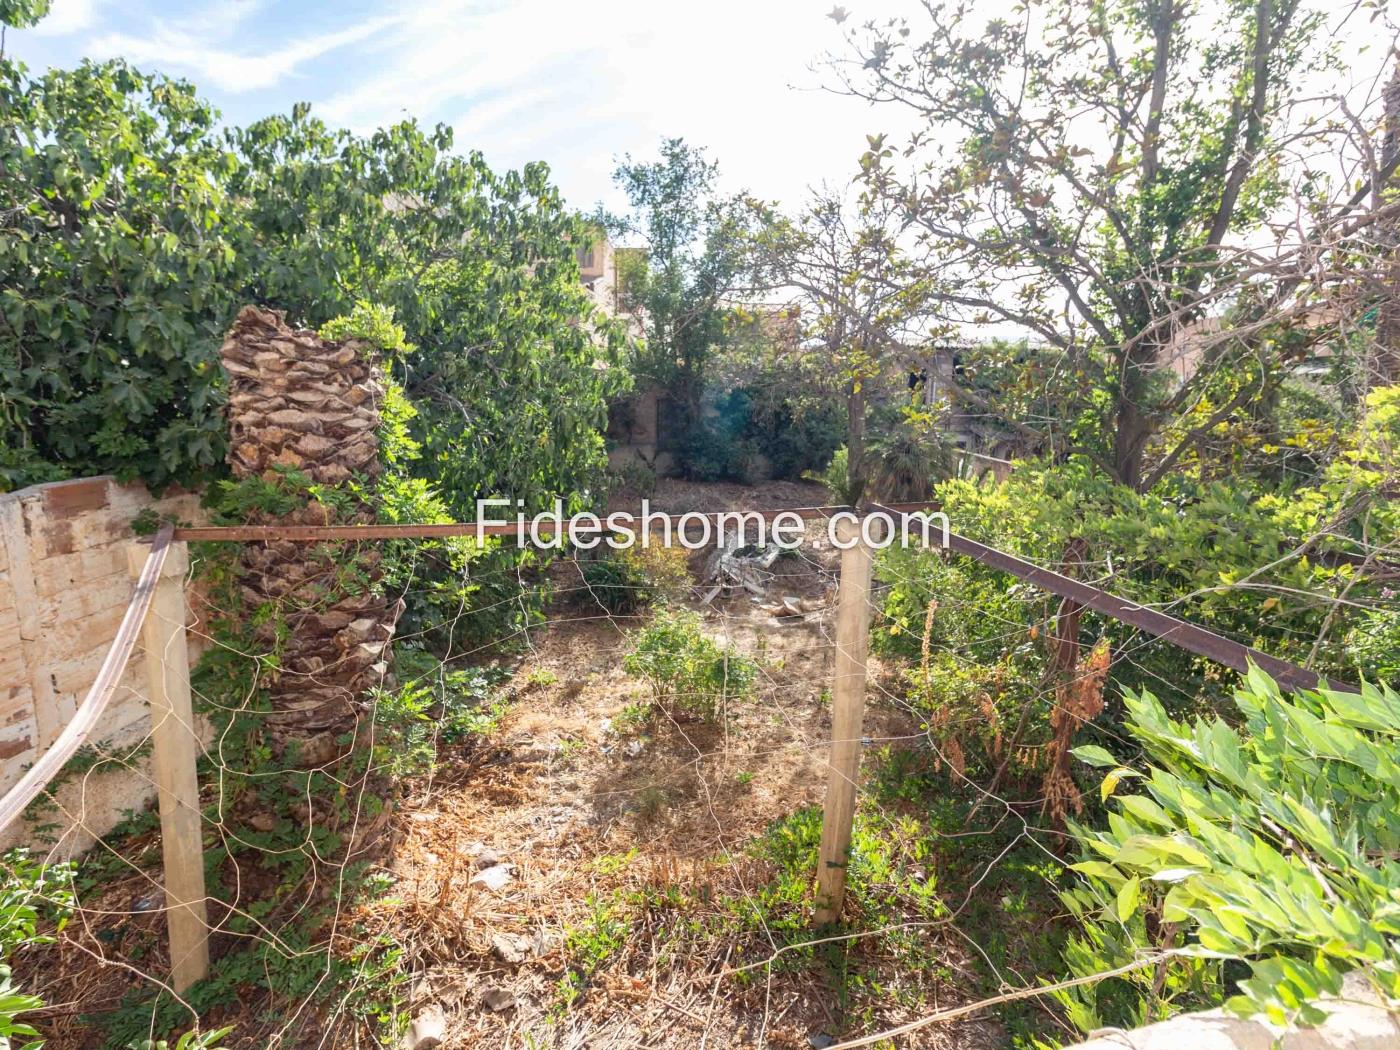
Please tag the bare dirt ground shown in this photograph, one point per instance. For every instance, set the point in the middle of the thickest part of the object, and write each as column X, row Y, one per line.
column 578, row 812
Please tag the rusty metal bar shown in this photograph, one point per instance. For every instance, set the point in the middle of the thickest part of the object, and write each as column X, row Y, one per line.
column 322, row 533
column 1183, row 635
column 1177, row 632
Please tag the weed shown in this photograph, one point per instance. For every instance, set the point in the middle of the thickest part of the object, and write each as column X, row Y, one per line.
column 590, row 945
column 541, row 678
column 613, row 863
column 685, row 667
column 651, row 803
column 568, row 749
column 631, row 719
column 433, row 708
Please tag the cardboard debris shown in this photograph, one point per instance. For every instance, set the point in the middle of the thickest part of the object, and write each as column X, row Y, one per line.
column 494, row 877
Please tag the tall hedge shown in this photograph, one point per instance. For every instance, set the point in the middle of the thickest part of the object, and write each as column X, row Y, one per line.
column 132, row 228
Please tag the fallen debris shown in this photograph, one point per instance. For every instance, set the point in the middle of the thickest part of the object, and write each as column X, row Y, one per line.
column 493, row 878
column 733, row 568
column 497, row 999
column 510, row 947
column 486, row 858
column 787, row 607
column 429, row 1029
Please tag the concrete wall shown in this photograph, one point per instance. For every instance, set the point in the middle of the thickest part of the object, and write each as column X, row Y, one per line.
column 64, row 587
column 1358, row 1020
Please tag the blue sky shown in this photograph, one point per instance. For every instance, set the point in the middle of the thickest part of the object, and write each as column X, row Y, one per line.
column 574, row 84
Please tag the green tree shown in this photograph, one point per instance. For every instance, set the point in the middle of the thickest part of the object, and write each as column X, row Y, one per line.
column 860, row 299
column 694, row 258
column 1100, row 176
column 480, row 271
column 132, row 229
column 119, row 274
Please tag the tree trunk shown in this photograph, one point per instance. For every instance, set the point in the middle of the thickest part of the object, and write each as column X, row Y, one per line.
column 1133, row 427
column 1387, row 357
column 301, row 403
column 857, row 472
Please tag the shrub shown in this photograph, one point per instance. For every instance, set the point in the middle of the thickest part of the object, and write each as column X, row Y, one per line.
column 1266, row 849
column 906, row 465
column 632, row 578
column 834, row 477
column 30, row 892
column 686, row 668
column 636, row 477
column 780, row 416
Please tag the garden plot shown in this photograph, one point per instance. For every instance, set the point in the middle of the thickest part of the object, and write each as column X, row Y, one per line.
column 606, row 873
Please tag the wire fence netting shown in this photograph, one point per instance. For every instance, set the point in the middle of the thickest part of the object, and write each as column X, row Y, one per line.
column 584, row 809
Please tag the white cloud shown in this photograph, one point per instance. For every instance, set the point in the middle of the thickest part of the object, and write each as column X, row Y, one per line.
column 577, row 83
column 185, row 46
column 66, row 16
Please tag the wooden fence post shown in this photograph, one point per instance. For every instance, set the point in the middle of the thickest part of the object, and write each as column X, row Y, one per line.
column 847, row 715
column 175, row 748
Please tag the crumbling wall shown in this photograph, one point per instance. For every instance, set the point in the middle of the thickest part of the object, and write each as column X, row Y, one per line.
column 64, row 588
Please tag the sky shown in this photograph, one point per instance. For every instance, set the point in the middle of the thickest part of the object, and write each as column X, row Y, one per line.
column 576, row 84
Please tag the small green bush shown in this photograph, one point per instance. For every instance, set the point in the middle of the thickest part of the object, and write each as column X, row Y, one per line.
column 630, row 579
column 686, row 668
column 30, row 893
column 834, row 477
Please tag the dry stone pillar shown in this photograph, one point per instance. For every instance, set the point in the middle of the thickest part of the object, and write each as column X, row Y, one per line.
column 299, row 402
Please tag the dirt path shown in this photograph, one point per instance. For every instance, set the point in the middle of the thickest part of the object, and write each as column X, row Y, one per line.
column 585, row 880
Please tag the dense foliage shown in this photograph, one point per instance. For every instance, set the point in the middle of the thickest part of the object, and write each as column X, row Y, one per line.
column 688, row 255
column 1290, row 571
column 120, row 270
column 134, row 228
column 1260, row 857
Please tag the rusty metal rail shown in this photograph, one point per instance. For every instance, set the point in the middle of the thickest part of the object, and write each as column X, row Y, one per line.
column 1174, row 631
column 1183, row 635
column 329, row 533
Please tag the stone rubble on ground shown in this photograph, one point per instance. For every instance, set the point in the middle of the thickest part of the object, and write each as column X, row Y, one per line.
column 497, row 999
column 429, row 1029
column 510, row 947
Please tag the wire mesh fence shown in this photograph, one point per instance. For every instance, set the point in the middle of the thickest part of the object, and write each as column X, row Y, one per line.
column 603, row 825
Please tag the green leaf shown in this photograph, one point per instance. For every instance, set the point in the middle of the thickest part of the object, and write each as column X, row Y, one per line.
column 1094, row 755
column 1128, row 896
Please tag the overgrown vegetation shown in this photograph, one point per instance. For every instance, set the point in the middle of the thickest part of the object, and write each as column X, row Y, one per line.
column 625, row 581
column 1199, row 398
column 1281, row 569
column 137, row 227
column 1250, row 863
column 686, row 669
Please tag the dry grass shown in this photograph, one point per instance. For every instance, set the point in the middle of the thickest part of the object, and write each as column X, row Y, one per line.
column 630, row 838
